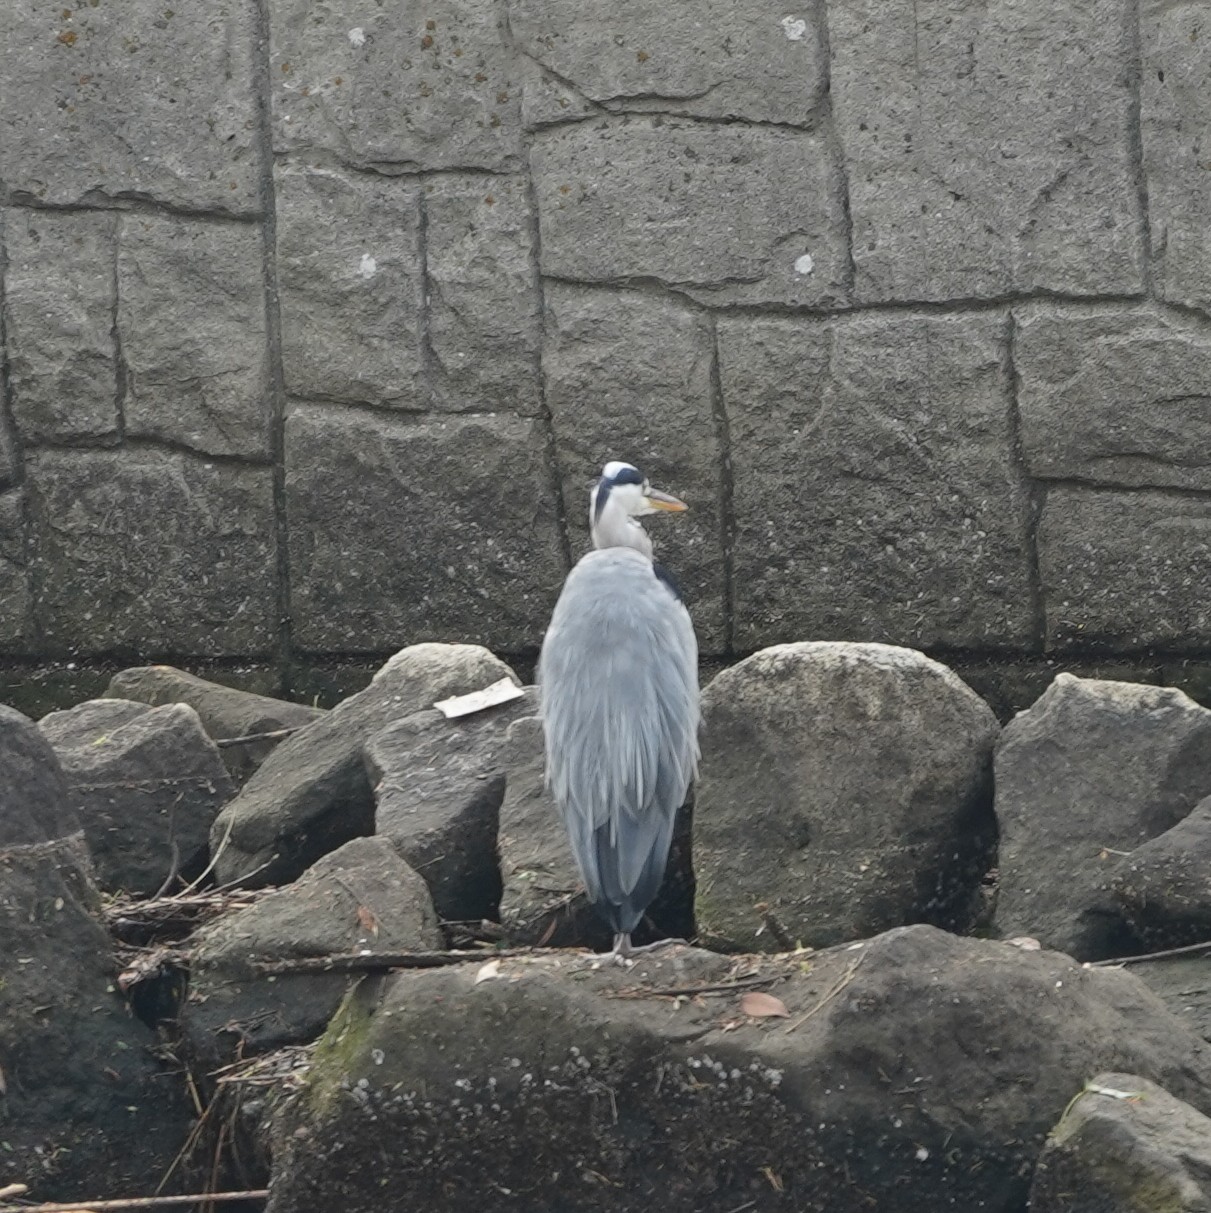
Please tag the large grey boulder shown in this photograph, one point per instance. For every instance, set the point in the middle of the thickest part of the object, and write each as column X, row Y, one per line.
column 1125, row 1146
column 34, row 801
column 844, row 789
column 1183, row 984
column 225, row 712
column 361, row 897
column 543, row 898
column 438, row 786
column 312, row 794
column 148, row 784
column 1163, row 888
column 1090, row 772
column 917, row 1072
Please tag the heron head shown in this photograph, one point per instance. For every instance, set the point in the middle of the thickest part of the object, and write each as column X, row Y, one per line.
column 626, row 488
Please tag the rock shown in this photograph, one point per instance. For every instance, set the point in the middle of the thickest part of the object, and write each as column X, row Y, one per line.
column 90, row 129
column 645, row 363
column 474, row 549
column 438, row 786
column 543, row 901
column 362, row 896
column 1175, row 108
column 191, row 318
column 1122, row 571
column 16, row 626
column 546, row 100
column 119, row 537
column 225, row 712
column 312, row 794
column 484, row 315
column 34, row 802
column 350, row 284
column 148, row 783
column 1183, row 984
column 917, row 1072
column 1120, row 397
column 1126, row 1145
column 402, row 88
column 59, row 302
column 732, row 213
column 1089, row 773
column 979, row 166
column 710, row 60
column 840, row 432
column 86, row 1108
column 844, row 789
column 1163, row 888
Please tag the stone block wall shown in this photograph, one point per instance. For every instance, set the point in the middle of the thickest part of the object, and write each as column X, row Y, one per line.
column 319, row 318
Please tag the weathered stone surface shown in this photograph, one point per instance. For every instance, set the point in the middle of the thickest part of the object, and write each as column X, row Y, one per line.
column 34, row 802
column 438, row 786
column 1122, row 397
column 547, row 100
column 86, row 1107
column 1125, row 571
column 484, row 317
column 923, row 1073
column 1094, row 769
column 423, row 84
column 1183, row 984
column 628, row 376
column 191, row 318
column 147, row 783
column 875, row 493
column 120, row 534
column 1125, row 1146
column 312, row 794
column 59, row 300
column 15, row 623
column 361, row 897
column 473, row 550
column 718, row 59
column 795, row 840
column 224, row 711
column 350, row 285
column 131, row 99
column 1175, row 113
column 730, row 214
column 1163, row 888
column 987, row 147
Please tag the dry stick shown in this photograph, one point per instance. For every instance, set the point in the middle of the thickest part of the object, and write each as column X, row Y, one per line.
column 375, row 962
column 837, row 987
column 138, row 1202
column 743, row 983
column 224, row 742
column 1191, row 949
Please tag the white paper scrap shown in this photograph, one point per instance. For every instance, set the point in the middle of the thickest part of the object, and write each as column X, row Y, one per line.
column 503, row 691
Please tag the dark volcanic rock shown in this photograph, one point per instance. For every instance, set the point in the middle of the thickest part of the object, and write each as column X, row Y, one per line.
column 312, row 793
column 1163, row 888
column 844, row 789
column 1092, row 770
column 224, row 711
column 34, row 803
column 543, row 900
column 148, row 783
column 361, row 897
column 916, row 1072
column 1126, row 1146
column 438, row 786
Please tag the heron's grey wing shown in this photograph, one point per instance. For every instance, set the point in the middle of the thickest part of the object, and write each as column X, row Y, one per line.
column 619, row 683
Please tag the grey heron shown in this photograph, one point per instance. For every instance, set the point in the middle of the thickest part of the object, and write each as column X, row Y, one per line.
column 618, row 678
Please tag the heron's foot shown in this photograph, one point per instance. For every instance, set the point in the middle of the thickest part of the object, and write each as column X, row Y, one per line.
column 624, row 949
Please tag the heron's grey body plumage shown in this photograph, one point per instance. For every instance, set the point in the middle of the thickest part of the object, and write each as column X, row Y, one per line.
column 619, row 682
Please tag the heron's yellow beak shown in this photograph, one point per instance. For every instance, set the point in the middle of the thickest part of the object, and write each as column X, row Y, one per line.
column 665, row 501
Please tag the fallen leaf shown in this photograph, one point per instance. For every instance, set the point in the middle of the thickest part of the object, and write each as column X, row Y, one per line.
column 1026, row 943
column 763, row 1006
column 3, row 1083
column 366, row 920
column 488, row 971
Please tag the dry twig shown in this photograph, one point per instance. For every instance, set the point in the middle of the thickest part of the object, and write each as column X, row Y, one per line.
column 138, row 1202
column 380, row 962
column 1191, row 949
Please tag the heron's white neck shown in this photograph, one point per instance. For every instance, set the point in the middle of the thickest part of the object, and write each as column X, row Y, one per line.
column 615, row 528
